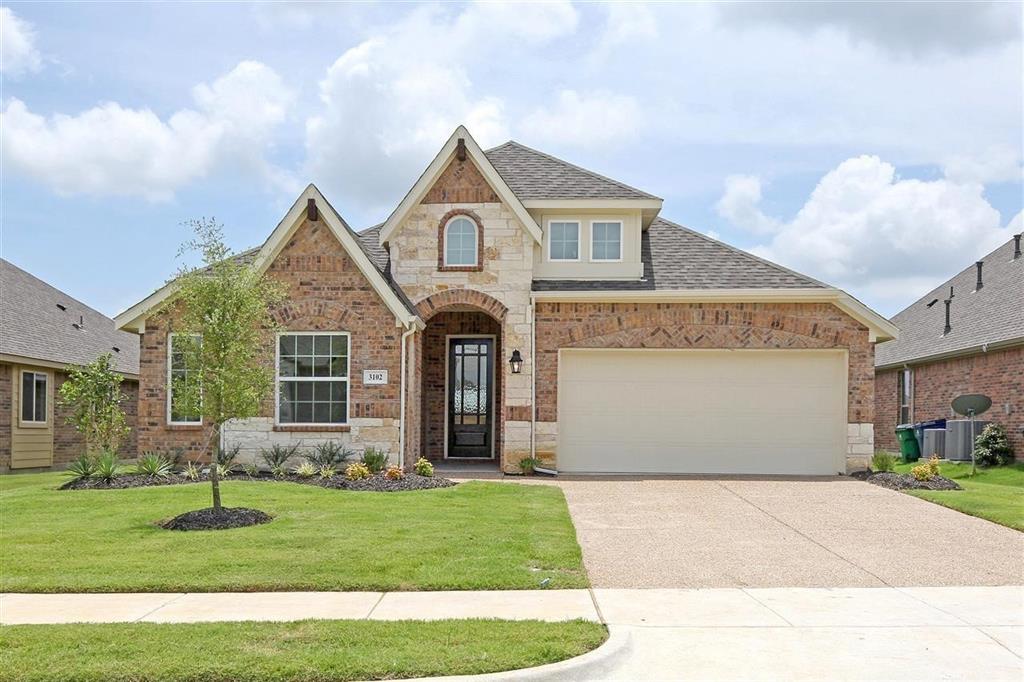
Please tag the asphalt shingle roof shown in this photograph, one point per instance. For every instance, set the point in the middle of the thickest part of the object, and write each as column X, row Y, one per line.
column 993, row 314
column 676, row 257
column 535, row 175
column 33, row 326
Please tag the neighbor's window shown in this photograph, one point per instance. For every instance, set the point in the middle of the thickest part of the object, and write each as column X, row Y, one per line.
column 905, row 390
column 606, row 241
column 564, row 240
column 180, row 374
column 33, row 397
column 312, row 378
column 460, row 242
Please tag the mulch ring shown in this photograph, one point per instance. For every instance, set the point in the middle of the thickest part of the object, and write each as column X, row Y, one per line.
column 209, row 519
column 375, row 483
column 894, row 481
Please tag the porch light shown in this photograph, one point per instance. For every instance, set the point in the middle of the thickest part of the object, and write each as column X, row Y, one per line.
column 516, row 361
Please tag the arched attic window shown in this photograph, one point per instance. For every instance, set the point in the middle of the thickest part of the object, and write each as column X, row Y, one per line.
column 460, row 247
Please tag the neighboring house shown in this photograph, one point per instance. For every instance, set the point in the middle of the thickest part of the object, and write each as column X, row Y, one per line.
column 514, row 305
column 964, row 336
column 42, row 331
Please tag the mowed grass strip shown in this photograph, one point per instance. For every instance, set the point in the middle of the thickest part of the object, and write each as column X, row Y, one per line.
column 311, row 650
column 478, row 535
column 994, row 493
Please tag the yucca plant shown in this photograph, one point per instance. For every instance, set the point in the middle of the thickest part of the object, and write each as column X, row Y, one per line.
column 329, row 453
column 277, row 456
column 227, row 456
column 375, row 459
column 107, row 466
column 192, row 471
column 81, row 468
column 154, row 464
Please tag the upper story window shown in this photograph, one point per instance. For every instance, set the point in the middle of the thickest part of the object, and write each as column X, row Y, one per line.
column 564, row 240
column 461, row 242
column 312, row 378
column 606, row 240
column 33, row 397
column 905, row 395
column 181, row 374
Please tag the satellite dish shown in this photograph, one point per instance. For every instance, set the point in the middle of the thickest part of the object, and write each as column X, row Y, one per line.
column 971, row 404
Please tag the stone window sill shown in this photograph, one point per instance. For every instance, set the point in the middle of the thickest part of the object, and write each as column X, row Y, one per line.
column 185, row 427
column 299, row 428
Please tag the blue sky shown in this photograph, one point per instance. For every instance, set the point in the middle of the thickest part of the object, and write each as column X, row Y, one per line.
column 875, row 146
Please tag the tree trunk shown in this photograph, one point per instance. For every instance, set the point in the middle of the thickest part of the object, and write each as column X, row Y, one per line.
column 214, row 462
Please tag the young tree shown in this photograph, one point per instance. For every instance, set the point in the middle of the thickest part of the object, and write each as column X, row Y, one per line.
column 221, row 315
column 93, row 394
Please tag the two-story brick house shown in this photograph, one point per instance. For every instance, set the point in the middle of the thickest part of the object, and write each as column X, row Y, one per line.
column 514, row 305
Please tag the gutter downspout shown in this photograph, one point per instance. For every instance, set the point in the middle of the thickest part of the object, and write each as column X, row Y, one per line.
column 533, row 388
column 409, row 331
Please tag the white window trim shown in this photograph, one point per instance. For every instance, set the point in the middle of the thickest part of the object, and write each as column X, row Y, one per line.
column 621, row 244
column 579, row 239
column 906, row 375
column 476, row 242
column 169, row 385
column 21, row 399
column 347, row 379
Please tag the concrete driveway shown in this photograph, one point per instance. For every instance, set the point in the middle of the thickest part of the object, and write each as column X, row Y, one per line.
column 814, row 532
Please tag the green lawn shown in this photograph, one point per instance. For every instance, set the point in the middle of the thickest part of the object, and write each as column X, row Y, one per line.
column 311, row 650
column 995, row 493
column 476, row 535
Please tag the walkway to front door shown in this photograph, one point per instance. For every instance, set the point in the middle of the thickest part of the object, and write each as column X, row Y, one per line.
column 470, row 398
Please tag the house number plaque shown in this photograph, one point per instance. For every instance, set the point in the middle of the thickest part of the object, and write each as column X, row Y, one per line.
column 375, row 377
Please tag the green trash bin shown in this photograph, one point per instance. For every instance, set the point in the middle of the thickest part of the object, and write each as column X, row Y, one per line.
column 910, row 451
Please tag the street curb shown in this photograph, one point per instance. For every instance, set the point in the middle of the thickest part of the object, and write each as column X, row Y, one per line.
column 589, row 666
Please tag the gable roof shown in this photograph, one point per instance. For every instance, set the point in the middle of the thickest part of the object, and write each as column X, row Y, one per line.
column 32, row 326
column 434, row 170
column 993, row 315
column 534, row 175
column 261, row 258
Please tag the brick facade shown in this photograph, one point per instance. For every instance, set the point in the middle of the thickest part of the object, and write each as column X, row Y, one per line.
column 998, row 374
column 461, row 183
column 6, row 414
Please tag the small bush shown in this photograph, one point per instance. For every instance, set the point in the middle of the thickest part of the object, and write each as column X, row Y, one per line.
column 81, row 468
column 227, row 456
column 251, row 469
column 992, row 447
column 305, row 470
column 224, row 470
column 327, row 471
column 933, row 465
column 277, row 456
column 394, row 473
column 527, row 464
column 883, row 461
column 329, row 453
column 107, row 466
column 356, row 471
column 192, row 471
column 922, row 472
column 278, row 471
column 423, row 467
column 375, row 459
column 154, row 464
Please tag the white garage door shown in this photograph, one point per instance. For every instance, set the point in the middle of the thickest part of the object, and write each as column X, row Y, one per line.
column 702, row 411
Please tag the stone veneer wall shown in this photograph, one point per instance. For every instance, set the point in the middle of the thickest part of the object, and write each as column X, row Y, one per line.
column 325, row 292
column 998, row 374
column 705, row 325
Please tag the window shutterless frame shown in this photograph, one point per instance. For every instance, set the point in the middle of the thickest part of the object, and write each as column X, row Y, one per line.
column 278, row 379
column 593, row 236
column 170, row 384
column 37, row 413
column 476, row 241
column 905, row 396
column 579, row 240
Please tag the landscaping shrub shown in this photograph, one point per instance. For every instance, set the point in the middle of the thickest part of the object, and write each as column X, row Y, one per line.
column 277, row 456
column 107, row 466
column 356, row 471
column 883, row 461
column 192, row 471
column 992, row 447
column 933, row 465
column 527, row 464
column 329, row 453
column 394, row 473
column 375, row 459
column 154, row 464
column 423, row 467
column 922, row 472
column 327, row 471
column 223, row 470
column 251, row 469
column 305, row 470
column 81, row 468
column 227, row 456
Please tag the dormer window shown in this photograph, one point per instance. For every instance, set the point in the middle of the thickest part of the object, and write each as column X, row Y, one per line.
column 563, row 240
column 606, row 240
column 461, row 243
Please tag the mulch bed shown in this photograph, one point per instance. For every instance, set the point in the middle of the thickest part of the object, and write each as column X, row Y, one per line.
column 894, row 481
column 208, row 519
column 375, row 483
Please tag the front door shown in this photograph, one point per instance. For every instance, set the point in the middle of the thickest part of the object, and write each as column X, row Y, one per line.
column 470, row 397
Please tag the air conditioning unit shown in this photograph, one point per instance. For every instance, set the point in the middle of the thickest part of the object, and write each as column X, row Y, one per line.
column 934, row 443
column 958, row 438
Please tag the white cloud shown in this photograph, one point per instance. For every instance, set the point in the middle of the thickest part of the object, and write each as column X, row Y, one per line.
column 864, row 229
column 740, row 204
column 598, row 118
column 997, row 164
column 18, row 53
column 114, row 150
